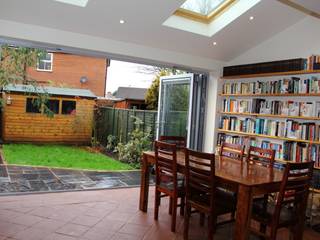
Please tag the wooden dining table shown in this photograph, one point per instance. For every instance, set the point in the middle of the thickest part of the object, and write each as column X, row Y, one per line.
column 247, row 179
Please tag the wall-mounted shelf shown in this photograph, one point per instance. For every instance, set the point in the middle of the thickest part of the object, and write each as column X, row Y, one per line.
column 270, row 115
column 267, row 136
column 274, row 74
column 281, row 161
column 272, row 95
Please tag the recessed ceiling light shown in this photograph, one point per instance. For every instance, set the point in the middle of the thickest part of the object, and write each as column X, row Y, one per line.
column 214, row 43
column 122, row 21
column 251, row 18
column 79, row 3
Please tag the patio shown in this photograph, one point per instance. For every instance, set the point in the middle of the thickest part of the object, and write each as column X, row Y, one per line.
column 94, row 215
column 24, row 179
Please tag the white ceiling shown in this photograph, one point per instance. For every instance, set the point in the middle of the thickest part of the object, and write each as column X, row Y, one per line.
column 144, row 20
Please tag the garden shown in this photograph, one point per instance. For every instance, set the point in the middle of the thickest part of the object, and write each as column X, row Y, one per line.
column 113, row 155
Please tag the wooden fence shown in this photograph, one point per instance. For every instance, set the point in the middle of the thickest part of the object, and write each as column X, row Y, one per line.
column 120, row 122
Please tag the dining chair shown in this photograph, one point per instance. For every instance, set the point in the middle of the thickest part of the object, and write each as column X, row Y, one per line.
column 202, row 194
column 261, row 155
column 288, row 211
column 230, row 150
column 233, row 151
column 167, row 182
column 178, row 140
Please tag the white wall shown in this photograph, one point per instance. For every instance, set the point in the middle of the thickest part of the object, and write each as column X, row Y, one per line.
column 211, row 120
column 299, row 40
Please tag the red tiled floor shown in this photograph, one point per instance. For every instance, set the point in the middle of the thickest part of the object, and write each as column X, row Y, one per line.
column 97, row 215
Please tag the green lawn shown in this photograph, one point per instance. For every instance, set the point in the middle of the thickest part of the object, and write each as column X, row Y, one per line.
column 59, row 156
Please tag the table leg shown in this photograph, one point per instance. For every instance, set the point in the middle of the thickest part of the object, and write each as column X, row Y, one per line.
column 244, row 203
column 144, row 187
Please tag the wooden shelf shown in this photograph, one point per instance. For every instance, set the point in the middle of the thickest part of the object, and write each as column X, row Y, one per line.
column 315, row 190
column 267, row 136
column 272, row 95
column 271, row 74
column 280, row 160
column 270, row 115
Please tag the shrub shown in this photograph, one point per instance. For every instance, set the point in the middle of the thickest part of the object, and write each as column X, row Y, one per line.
column 112, row 143
column 138, row 142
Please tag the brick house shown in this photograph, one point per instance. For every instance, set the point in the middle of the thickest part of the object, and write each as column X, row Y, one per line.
column 130, row 98
column 71, row 71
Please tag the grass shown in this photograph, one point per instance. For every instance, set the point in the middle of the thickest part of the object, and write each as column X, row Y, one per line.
column 60, row 156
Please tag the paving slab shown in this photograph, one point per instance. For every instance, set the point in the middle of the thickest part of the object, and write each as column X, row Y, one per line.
column 27, row 179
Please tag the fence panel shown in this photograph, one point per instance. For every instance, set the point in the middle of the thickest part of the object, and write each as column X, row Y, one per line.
column 120, row 122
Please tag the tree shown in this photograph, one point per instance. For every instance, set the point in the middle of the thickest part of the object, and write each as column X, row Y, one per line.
column 152, row 95
column 179, row 98
column 14, row 62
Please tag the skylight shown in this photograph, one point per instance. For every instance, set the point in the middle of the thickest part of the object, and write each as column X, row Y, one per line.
column 79, row 3
column 203, row 7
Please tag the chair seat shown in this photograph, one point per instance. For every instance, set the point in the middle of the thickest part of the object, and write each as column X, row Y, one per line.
column 225, row 202
column 287, row 214
column 227, row 194
column 167, row 183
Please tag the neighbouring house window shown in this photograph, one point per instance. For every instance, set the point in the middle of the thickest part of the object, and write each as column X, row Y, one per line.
column 45, row 62
column 68, row 107
column 53, row 105
column 31, row 106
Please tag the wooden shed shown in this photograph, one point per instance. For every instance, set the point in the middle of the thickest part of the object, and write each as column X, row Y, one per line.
column 72, row 121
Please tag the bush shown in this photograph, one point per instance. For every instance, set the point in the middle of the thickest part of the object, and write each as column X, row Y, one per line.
column 112, row 143
column 138, row 142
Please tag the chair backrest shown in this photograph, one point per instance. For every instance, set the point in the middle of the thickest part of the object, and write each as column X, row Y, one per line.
column 200, row 174
column 180, row 142
column 166, row 162
column 294, row 188
column 261, row 155
column 231, row 150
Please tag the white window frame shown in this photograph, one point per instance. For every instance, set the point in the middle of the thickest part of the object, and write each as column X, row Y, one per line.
column 46, row 61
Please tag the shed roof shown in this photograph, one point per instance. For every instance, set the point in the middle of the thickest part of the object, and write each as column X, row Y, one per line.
column 74, row 92
column 131, row 93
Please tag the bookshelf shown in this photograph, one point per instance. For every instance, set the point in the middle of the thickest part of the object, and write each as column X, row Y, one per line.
column 270, row 115
column 267, row 136
column 272, row 95
column 267, row 81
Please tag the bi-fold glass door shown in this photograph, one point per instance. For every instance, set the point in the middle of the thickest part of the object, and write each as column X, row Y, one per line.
column 181, row 107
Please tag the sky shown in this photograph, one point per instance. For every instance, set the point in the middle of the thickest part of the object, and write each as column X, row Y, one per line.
column 124, row 74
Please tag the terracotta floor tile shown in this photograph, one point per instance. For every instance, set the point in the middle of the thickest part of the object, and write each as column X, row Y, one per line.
column 96, row 233
column 9, row 229
column 122, row 236
column 32, row 234
column 86, row 220
column 99, row 215
column 73, row 230
column 112, row 225
column 27, row 220
column 57, row 236
column 134, row 229
column 49, row 224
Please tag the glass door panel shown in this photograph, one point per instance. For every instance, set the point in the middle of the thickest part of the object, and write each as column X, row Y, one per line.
column 173, row 111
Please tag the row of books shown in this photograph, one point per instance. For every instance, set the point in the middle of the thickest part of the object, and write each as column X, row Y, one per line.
column 293, row 85
column 313, row 62
column 287, row 151
column 283, row 129
column 275, row 107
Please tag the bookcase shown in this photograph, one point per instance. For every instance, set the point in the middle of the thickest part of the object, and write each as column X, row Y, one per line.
column 274, row 110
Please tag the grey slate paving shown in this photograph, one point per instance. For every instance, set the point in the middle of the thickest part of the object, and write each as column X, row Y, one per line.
column 22, row 179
